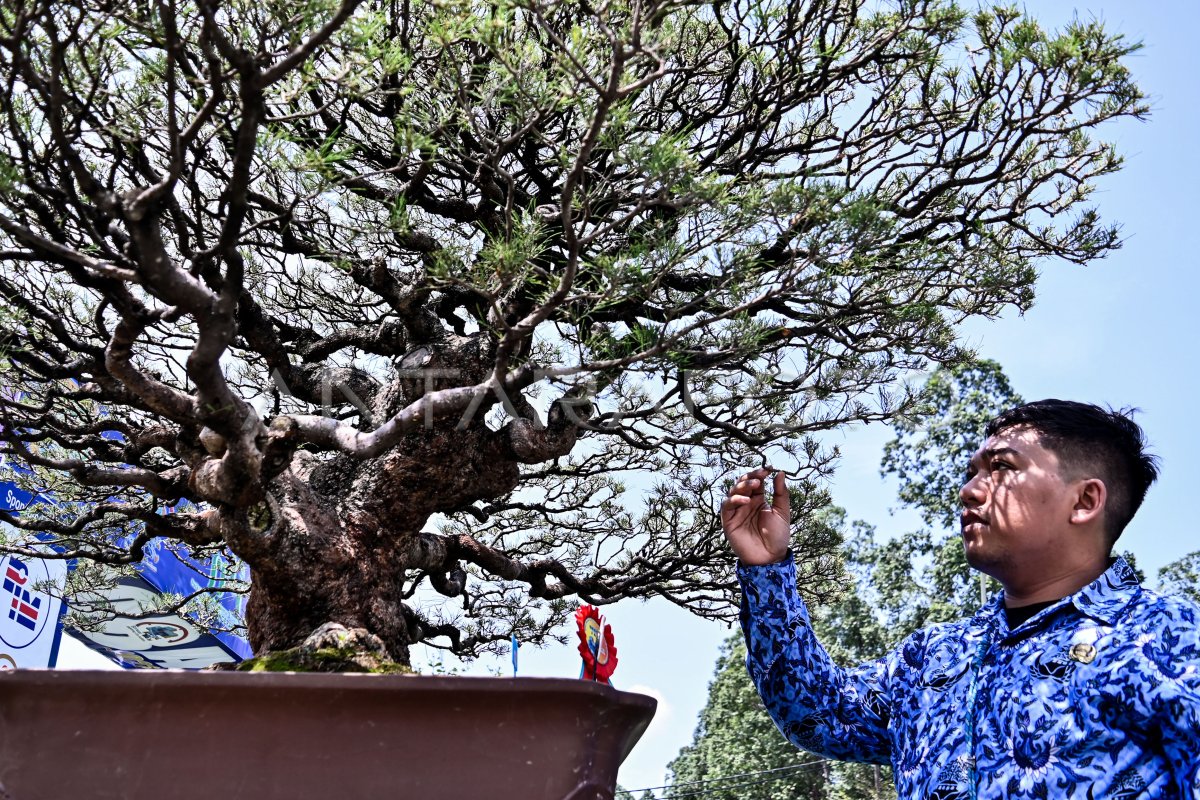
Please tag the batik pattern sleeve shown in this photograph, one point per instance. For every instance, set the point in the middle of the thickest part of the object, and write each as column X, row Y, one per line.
column 819, row 706
column 1170, row 652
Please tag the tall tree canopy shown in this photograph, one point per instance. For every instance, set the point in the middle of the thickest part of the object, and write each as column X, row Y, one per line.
column 396, row 293
column 737, row 753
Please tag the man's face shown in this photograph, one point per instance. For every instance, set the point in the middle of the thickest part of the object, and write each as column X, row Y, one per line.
column 1016, row 509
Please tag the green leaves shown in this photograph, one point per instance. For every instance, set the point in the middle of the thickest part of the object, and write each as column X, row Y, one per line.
column 327, row 155
column 1182, row 577
column 10, row 175
column 511, row 258
column 12, row 325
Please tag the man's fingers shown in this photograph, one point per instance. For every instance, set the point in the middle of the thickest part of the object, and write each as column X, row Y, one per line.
column 740, row 505
column 781, row 501
column 748, row 494
column 749, row 484
column 751, row 525
column 734, row 515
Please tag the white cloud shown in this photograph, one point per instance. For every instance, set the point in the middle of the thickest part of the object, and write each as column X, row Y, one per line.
column 663, row 715
column 660, row 743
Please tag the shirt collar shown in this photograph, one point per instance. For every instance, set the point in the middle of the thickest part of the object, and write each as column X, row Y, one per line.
column 1103, row 599
column 1107, row 596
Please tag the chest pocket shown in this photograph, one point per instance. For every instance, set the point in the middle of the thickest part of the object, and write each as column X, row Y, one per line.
column 1072, row 685
column 1103, row 692
column 943, row 666
column 1054, row 666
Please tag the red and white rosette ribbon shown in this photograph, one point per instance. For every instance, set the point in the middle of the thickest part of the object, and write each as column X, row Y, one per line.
column 596, row 646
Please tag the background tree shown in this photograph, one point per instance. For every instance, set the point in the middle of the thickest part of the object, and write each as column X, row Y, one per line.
column 393, row 294
column 737, row 753
column 1182, row 576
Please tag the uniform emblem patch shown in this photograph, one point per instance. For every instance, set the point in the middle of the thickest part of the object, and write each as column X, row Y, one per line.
column 1083, row 652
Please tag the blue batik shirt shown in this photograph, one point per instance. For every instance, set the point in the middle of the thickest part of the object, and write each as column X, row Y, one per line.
column 1096, row 696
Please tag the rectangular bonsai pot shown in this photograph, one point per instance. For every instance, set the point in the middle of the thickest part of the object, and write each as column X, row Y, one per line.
column 76, row 735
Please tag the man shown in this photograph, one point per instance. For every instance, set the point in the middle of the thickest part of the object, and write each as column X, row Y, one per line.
column 1072, row 682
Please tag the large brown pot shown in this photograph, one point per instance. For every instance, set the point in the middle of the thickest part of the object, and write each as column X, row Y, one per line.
column 73, row 735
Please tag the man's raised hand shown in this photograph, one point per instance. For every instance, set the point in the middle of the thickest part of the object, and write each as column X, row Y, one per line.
column 758, row 533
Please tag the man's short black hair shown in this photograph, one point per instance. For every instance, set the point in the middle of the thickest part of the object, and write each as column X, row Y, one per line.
column 1091, row 441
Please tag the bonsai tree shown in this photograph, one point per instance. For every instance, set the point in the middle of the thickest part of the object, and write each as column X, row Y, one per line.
column 481, row 299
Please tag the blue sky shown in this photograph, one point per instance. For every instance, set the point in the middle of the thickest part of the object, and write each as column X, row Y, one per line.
column 1121, row 331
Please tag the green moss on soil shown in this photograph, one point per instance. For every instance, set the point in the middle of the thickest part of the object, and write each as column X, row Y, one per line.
column 323, row 660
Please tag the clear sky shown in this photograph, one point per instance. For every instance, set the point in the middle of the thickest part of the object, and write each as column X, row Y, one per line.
column 1122, row 331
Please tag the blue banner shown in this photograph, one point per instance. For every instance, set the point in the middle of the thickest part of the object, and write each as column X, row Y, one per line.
column 168, row 567
column 136, row 640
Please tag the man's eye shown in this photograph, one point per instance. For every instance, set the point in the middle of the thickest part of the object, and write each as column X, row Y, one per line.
column 1001, row 465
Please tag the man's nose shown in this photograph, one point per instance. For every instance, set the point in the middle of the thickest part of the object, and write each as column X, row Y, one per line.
column 973, row 492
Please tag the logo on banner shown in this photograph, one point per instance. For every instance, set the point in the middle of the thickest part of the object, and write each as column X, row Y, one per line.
column 160, row 633
column 20, row 603
column 161, row 641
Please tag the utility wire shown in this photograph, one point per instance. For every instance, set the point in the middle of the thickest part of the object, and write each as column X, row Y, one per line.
column 732, row 777
column 714, row 790
column 738, row 780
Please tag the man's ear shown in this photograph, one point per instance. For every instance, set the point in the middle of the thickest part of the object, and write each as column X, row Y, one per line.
column 1089, row 501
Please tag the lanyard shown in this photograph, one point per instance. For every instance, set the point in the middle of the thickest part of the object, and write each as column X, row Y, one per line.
column 973, row 713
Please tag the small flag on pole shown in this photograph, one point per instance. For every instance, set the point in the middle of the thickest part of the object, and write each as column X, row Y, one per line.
column 515, row 646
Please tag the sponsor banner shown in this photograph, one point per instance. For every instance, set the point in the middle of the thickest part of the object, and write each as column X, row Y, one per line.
column 30, row 616
column 13, row 498
column 135, row 640
column 170, row 569
column 30, row 611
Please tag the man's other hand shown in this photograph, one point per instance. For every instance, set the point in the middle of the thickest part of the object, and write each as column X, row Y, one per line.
column 758, row 532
